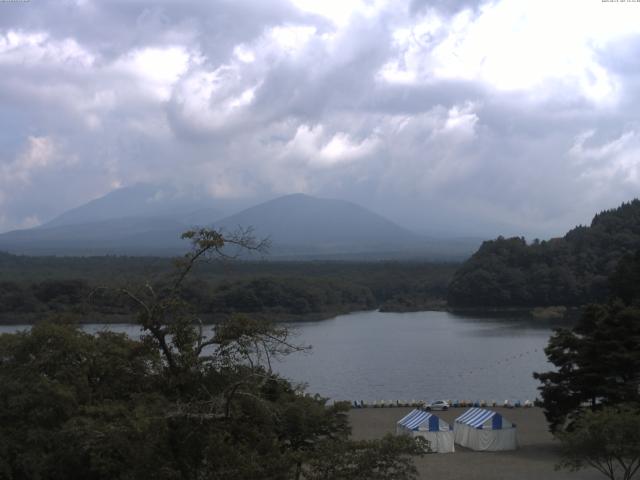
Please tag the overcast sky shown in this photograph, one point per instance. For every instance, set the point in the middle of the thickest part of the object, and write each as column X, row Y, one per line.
column 486, row 118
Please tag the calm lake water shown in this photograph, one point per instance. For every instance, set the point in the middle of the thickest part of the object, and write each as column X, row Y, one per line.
column 404, row 356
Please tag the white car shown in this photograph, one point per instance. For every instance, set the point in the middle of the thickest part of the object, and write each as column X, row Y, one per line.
column 438, row 405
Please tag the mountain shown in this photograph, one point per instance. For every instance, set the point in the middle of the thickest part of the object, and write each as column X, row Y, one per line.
column 120, row 236
column 146, row 220
column 142, row 201
column 305, row 227
column 303, row 221
column 139, row 220
column 571, row 270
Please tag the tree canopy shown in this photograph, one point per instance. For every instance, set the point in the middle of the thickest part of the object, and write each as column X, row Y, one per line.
column 572, row 270
column 598, row 360
column 180, row 403
column 607, row 440
column 31, row 288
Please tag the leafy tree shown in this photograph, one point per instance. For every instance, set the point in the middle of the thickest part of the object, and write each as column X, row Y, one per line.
column 387, row 458
column 60, row 290
column 607, row 440
column 68, row 400
column 597, row 362
column 625, row 281
column 181, row 403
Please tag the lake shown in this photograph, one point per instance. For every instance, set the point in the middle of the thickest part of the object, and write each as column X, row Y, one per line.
column 403, row 356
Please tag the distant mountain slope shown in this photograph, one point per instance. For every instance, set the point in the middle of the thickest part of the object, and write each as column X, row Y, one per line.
column 303, row 221
column 141, row 201
column 139, row 220
column 571, row 270
column 130, row 236
column 300, row 227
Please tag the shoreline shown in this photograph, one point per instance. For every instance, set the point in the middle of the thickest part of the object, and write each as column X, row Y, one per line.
column 540, row 314
column 535, row 458
column 125, row 319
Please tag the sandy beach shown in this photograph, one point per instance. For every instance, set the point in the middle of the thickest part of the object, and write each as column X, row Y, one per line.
column 533, row 460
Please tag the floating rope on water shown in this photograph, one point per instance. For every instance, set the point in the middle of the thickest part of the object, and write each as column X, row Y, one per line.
column 502, row 361
column 452, row 404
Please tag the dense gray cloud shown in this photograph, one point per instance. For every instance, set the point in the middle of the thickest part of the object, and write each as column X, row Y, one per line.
column 447, row 6
column 462, row 117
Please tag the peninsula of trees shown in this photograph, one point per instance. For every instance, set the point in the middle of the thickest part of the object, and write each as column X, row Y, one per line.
column 572, row 270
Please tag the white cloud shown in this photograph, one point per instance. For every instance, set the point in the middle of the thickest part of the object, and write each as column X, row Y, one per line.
column 614, row 161
column 208, row 101
column 340, row 12
column 541, row 49
column 484, row 108
column 158, row 69
column 314, row 146
column 461, row 119
column 39, row 156
column 37, row 49
column 40, row 153
column 244, row 54
column 341, row 148
column 290, row 39
column 616, row 146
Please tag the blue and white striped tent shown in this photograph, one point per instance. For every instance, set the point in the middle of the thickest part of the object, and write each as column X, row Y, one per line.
column 436, row 431
column 480, row 429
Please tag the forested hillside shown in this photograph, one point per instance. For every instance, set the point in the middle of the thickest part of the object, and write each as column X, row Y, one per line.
column 33, row 288
column 571, row 270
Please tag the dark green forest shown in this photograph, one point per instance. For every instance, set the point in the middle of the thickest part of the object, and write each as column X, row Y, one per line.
column 32, row 288
column 598, row 359
column 591, row 397
column 571, row 270
column 176, row 404
column 506, row 272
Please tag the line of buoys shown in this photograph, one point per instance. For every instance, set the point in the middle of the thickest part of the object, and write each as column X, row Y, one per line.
column 502, row 361
column 452, row 403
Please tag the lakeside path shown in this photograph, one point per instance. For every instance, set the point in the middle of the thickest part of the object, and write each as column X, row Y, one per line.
column 534, row 460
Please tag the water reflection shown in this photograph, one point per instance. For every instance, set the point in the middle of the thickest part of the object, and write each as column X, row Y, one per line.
column 374, row 355
column 421, row 355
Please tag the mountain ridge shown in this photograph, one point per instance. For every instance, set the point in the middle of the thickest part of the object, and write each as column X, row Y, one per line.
column 139, row 200
column 300, row 227
column 292, row 219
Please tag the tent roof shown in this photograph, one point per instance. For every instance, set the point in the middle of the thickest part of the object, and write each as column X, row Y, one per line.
column 476, row 417
column 417, row 418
